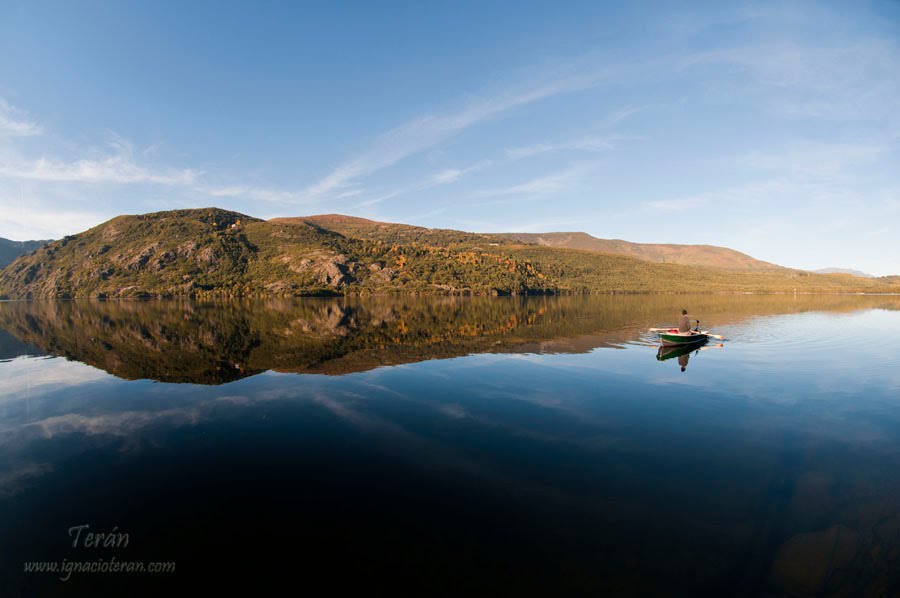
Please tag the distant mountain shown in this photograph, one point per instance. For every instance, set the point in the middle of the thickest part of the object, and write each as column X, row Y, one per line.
column 688, row 255
column 843, row 271
column 10, row 250
column 214, row 252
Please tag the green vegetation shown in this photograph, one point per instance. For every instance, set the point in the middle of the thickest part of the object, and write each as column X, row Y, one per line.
column 216, row 253
column 585, row 272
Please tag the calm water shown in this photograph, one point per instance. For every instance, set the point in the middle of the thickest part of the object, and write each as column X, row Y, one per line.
column 489, row 446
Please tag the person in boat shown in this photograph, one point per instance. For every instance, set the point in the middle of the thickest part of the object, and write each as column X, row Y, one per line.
column 684, row 322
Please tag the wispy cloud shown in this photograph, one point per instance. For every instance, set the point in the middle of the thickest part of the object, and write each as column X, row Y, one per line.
column 254, row 193
column 840, row 80
column 120, row 164
column 401, row 142
column 525, row 226
column 16, row 122
column 266, row 194
column 447, row 176
column 426, row 131
column 740, row 199
column 621, row 114
column 781, row 220
column 680, row 203
column 112, row 169
column 804, row 171
column 543, row 185
column 816, row 159
column 116, row 163
column 587, row 143
column 452, row 175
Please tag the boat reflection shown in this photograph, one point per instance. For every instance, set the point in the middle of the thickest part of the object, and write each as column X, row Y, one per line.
column 683, row 353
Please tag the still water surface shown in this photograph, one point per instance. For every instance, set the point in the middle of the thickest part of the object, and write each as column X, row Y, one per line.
column 501, row 445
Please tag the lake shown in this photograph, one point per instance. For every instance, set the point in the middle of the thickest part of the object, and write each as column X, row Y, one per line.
column 449, row 445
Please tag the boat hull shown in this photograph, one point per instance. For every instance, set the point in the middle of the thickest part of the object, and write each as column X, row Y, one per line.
column 676, row 339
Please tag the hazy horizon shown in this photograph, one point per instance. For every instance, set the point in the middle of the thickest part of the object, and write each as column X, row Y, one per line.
column 771, row 130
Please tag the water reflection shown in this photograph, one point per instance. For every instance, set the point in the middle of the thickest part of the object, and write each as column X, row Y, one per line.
column 683, row 354
column 218, row 342
column 555, row 457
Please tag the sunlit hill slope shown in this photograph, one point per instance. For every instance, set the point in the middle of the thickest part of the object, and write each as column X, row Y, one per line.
column 215, row 252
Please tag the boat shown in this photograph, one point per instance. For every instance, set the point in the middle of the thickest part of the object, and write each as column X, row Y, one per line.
column 673, row 338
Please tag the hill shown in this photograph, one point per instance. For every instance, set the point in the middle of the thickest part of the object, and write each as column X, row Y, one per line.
column 689, row 255
column 390, row 232
column 849, row 271
column 10, row 250
column 214, row 252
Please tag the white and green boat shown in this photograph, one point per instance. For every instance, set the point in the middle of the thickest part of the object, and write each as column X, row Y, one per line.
column 673, row 338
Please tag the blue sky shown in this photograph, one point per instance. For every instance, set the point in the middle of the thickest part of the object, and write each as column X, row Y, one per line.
column 771, row 128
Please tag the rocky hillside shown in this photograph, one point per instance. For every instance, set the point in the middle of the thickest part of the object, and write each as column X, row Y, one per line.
column 390, row 232
column 214, row 251
column 689, row 255
column 206, row 252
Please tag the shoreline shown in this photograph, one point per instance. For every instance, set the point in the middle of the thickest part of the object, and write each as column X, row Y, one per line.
column 407, row 294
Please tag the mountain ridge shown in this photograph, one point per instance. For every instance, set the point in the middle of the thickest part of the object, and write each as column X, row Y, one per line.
column 215, row 252
column 689, row 255
column 10, row 250
column 849, row 271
